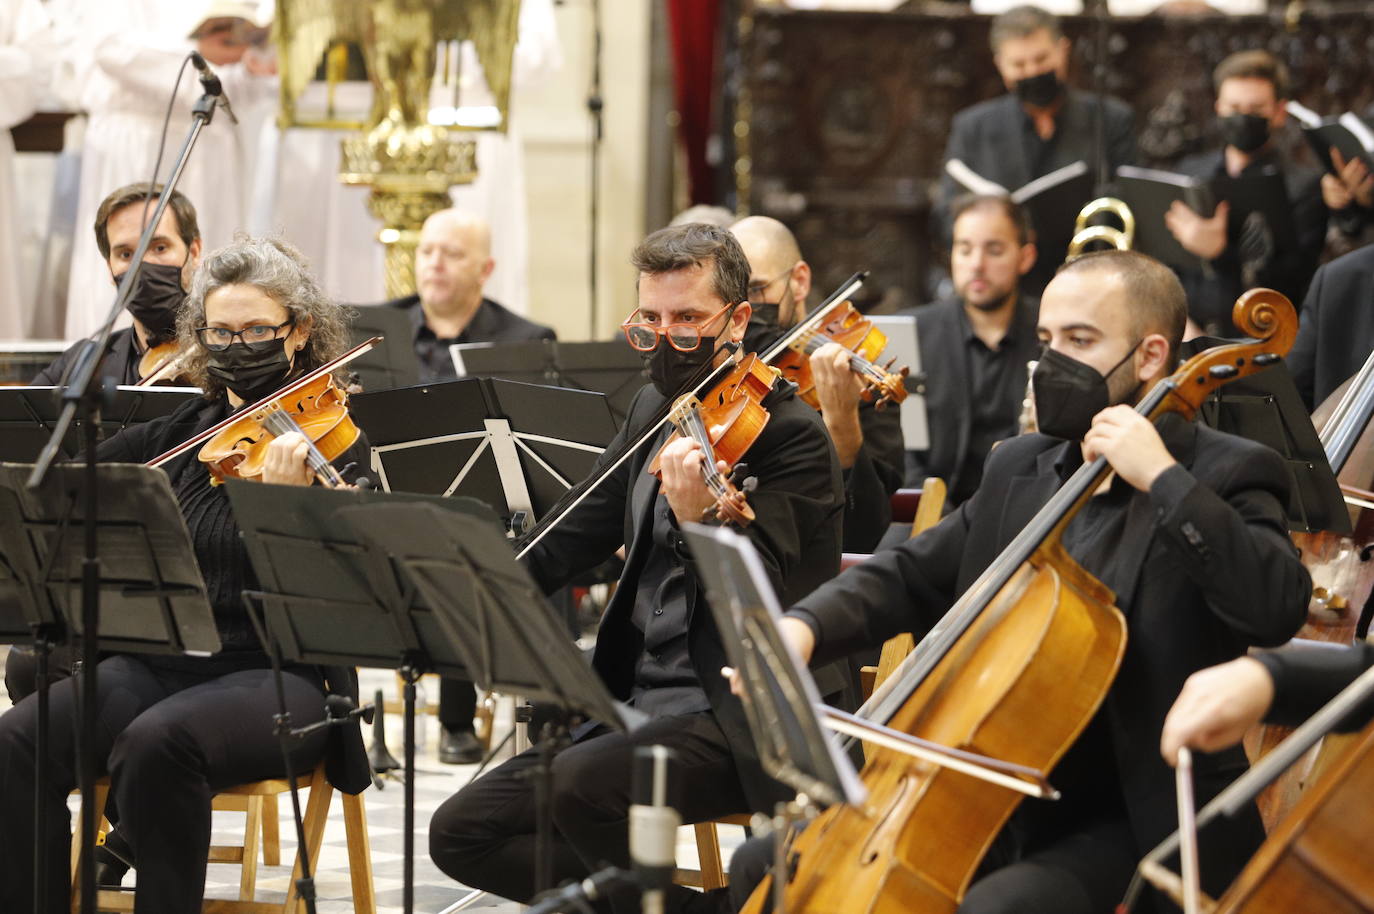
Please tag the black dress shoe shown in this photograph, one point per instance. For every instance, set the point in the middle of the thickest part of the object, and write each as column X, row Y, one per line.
column 113, row 860
column 459, row 747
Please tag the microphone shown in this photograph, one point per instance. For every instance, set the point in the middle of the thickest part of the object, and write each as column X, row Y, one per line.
column 653, row 825
column 576, row 894
column 211, row 84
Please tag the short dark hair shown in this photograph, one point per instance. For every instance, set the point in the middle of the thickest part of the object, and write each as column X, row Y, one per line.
column 1015, row 213
column 185, row 213
column 1256, row 64
column 1157, row 300
column 692, row 244
column 1020, row 21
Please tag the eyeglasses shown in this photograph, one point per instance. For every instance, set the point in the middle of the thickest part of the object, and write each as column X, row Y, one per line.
column 218, row 339
column 643, row 335
column 756, row 289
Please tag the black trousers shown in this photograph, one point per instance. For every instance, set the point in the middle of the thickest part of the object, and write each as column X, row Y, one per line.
column 1083, row 872
column 484, row 835
column 168, row 740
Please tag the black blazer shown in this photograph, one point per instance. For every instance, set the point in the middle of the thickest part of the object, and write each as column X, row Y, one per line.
column 120, row 361
column 875, row 475
column 1217, row 574
column 1336, row 332
column 941, row 329
column 798, row 506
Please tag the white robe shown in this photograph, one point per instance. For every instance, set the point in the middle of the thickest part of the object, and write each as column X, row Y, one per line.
column 19, row 19
column 122, row 69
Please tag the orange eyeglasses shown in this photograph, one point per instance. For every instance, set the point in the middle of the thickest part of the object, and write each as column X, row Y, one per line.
column 643, row 335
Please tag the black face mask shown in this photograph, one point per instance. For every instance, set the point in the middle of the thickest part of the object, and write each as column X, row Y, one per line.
column 763, row 329
column 1040, row 90
column 251, row 373
column 1246, row 132
column 155, row 300
column 672, row 370
column 1068, row 393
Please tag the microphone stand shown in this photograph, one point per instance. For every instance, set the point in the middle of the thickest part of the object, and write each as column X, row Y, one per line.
column 83, row 394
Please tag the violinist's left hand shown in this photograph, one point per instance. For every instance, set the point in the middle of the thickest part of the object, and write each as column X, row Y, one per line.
column 838, row 389
column 680, row 461
column 1131, row 445
column 284, row 464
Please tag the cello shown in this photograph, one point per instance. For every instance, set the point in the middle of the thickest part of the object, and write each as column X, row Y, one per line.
column 1015, row 670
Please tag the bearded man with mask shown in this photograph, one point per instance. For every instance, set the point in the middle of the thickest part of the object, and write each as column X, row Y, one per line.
column 171, row 258
column 868, row 441
column 1251, row 88
column 657, row 647
column 189, row 726
column 1190, row 534
column 1039, row 126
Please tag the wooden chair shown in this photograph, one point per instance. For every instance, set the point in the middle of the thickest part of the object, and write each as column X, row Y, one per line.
column 710, row 870
column 254, row 800
column 924, row 511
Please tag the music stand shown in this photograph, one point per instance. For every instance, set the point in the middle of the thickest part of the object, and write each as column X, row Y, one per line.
column 610, row 367
column 489, row 439
column 492, row 611
column 1265, row 407
column 152, row 598
column 393, row 362
column 28, row 415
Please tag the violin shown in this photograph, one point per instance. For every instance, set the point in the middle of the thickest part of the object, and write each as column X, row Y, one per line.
column 842, row 323
column 1015, row 670
column 725, row 421
column 312, row 404
column 161, row 364
column 319, row 411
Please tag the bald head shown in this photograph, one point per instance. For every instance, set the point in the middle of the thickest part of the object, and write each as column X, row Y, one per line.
column 777, row 273
column 453, row 261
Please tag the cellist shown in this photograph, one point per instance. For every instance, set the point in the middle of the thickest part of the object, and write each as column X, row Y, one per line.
column 1189, row 532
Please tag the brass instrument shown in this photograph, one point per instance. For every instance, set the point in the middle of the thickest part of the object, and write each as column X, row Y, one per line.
column 1084, row 235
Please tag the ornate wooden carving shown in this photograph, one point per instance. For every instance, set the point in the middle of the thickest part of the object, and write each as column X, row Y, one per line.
column 849, row 112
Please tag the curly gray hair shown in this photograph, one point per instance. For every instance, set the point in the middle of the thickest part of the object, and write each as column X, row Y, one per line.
column 277, row 269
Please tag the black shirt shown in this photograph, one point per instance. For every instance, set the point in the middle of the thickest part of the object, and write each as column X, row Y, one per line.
column 990, row 373
column 664, row 683
column 493, row 323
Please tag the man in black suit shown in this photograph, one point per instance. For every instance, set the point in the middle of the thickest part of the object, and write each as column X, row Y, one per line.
column 1189, row 533
column 171, row 259
column 657, row 647
column 1251, row 87
column 975, row 347
column 452, row 263
column 867, row 440
column 1336, row 331
column 1040, row 125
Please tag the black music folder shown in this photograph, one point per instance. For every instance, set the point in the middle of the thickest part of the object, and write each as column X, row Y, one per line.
column 1052, row 201
column 28, row 414
column 611, row 367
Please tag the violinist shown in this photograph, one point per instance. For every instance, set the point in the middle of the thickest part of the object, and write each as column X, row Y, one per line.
column 171, row 259
column 657, row 647
column 1219, row 704
column 868, row 441
column 1189, row 532
column 175, row 729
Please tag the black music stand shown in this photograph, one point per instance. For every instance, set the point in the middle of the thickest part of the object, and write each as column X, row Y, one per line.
column 516, row 447
column 392, row 363
column 28, row 415
column 1265, row 407
column 152, row 598
column 610, row 367
column 492, row 611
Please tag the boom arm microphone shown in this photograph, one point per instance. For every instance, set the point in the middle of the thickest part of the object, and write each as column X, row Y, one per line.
column 653, row 825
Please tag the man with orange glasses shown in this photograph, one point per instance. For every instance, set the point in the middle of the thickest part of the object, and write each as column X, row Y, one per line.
column 658, row 648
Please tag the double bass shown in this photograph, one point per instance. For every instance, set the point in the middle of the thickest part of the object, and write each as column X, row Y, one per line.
column 1015, row 671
